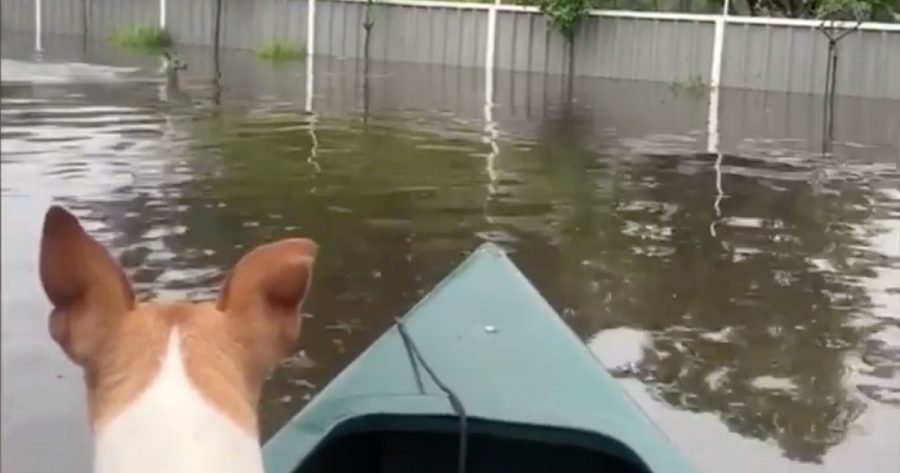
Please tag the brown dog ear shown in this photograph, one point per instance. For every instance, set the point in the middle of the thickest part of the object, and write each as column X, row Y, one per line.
column 88, row 289
column 263, row 296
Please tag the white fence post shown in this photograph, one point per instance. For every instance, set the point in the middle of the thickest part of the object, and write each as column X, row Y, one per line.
column 490, row 45
column 715, row 80
column 310, row 51
column 310, row 28
column 309, row 84
column 715, row 75
column 162, row 14
column 718, row 38
column 712, row 121
column 38, row 26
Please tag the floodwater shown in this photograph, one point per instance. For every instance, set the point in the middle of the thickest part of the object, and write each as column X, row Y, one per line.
column 744, row 287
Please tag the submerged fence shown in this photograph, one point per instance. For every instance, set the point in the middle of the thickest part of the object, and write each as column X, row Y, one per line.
column 757, row 53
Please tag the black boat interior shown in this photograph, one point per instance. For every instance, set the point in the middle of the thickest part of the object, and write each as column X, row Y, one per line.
column 433, row 447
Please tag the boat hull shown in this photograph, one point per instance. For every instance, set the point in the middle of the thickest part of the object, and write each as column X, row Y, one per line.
column 531, row 395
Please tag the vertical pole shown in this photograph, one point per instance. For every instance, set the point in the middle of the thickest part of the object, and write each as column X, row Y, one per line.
column 715, row 74
column 309, row 83
column 162, row 26
column 489, row 124
column 310, row 28
column 715, row 80
column 217, row 59
column 310, row 51
column 38, row 26
column 712, row 122
column 85, row 23
column 720, row 194
column 490, row 45
column 834, row 66
column 310, row 75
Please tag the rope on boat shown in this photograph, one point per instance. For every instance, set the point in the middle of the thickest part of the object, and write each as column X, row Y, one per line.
column 455, row 403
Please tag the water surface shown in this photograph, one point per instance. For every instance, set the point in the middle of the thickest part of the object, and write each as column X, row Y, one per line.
column 743, row 286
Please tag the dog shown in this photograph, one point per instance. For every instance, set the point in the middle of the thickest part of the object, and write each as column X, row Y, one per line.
column 171, row 90
column 173, row 386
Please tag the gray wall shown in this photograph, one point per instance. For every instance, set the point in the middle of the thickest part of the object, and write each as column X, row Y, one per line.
column 756, row 57
column 794, row 59
column 618, row 48
column 63, row 16
column 17, row 15
column 98, row 17
column 657, row 50
column 422, row 35
column 107, row 15
column 525, row 44
column 191, row 21
column 247, row 24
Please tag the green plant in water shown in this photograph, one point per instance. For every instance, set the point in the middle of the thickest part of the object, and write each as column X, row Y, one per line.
column 694, row 87
column 279, row 50
column 565, row 15
column 145, row 37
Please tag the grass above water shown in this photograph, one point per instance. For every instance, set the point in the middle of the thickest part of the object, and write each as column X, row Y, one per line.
column 143, row 37
column 279, row 50
column 694, row 87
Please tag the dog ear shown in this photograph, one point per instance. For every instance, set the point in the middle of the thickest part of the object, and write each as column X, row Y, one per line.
column 89, row 291
column 263, row 295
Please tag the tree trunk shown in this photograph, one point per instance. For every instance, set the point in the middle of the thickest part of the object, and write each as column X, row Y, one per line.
column 217, row 70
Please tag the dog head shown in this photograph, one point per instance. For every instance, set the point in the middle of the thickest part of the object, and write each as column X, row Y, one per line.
column 228, row 346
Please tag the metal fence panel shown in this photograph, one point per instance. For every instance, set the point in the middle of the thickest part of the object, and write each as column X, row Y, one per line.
column 64, row 16
column 759, row 54
column 107, row 15
column 17, row 15
column 191, row 22
column 795, row 59
column 403, row 33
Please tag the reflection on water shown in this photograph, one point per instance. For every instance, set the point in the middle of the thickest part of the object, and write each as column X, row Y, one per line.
column 748, row 299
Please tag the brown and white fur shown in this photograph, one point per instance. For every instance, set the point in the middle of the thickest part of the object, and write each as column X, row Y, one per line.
column 172, row 386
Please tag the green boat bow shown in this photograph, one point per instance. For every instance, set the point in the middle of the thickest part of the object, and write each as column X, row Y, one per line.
column 533, row 396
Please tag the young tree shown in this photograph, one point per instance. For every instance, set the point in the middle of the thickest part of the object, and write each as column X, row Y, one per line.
column 565, row 15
